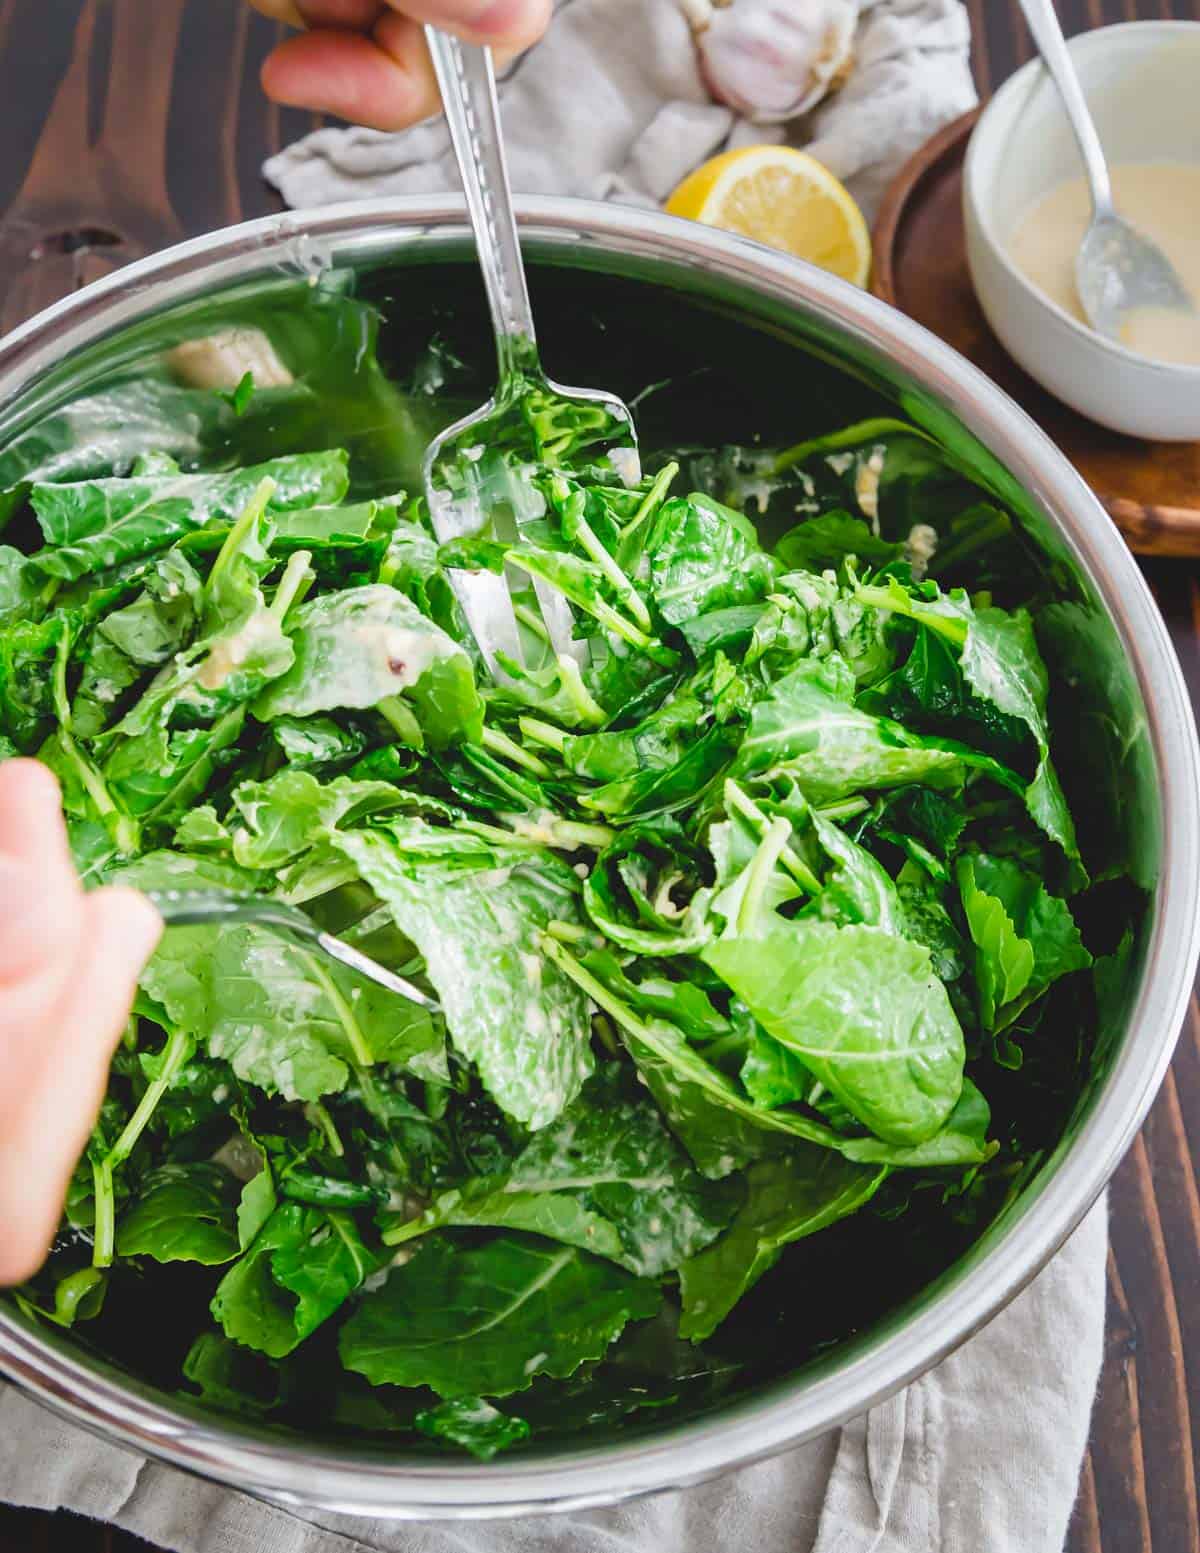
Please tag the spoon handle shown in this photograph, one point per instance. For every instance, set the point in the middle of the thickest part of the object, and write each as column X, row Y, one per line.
column 1048, row 35
column 468, row 85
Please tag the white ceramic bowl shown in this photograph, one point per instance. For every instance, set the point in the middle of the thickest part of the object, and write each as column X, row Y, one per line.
column 1142, row 83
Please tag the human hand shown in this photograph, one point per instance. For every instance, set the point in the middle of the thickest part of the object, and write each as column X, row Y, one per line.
column 69, row 964
column 366, row 60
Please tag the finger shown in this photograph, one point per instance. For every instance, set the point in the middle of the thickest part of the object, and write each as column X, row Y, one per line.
column 279, row 11
column 121, row 931
column 40, row 897
column 40, row 931
column 40, row 1146
column 384, row 81
column 504, row 24
column 32, row 829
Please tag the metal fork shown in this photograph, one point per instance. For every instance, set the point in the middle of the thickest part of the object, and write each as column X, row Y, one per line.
column 468, row 492
column 194, row 908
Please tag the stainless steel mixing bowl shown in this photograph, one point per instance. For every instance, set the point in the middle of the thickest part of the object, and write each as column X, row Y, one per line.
column 1117, row 677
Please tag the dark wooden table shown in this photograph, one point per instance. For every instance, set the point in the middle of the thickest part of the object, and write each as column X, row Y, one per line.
column 129, row 124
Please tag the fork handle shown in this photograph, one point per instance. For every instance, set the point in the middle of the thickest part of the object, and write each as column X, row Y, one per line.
column 468, row 85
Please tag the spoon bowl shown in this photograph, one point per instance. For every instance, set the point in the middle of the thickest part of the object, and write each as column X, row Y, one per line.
column 1118, row 271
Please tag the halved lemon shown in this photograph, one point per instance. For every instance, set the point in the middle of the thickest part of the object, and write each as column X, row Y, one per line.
column 784, row 198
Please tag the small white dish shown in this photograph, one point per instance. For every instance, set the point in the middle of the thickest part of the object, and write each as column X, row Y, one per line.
column 1142, row 83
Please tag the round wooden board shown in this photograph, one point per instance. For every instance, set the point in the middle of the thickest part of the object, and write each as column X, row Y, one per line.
column 1151, row 489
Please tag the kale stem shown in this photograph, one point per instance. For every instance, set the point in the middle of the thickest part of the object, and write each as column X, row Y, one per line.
column 320, row 1118
column 573, row 834
column 542, row 733
column 363, row 1054
column 742, row 804
column 582, row 834
column 245, row 521
column 606, row 1035
column 500, row 744
column 71, row 1294
column 58, row 688
column 849, row 437
column 612, row 618
column 196, row 777
column 297, row 579
column 634, row 635
column 533, row 621
column 408, row 1230
column 122, row 829
column 376, row 1108
column 624, row 589
column 175, row 1054
column 497, row 833
column 551, row 830
column 588, row 708
column 568, row 932
column 402, row 722
column 846, row 809
column 650, row 504
column 614, row 1007
column 761, row 867
column 104, row 1233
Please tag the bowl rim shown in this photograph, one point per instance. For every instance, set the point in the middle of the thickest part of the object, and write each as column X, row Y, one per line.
column 1177, row 373
column 980, row 1284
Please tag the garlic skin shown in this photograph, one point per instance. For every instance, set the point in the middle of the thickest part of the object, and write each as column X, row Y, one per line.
column 772, row 60
column 221, row 360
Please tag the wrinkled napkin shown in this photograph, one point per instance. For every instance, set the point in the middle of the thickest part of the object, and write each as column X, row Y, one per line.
column 982, row 1454
column 611, row 105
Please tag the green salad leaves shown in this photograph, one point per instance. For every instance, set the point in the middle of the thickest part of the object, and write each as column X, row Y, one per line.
column 737, row 918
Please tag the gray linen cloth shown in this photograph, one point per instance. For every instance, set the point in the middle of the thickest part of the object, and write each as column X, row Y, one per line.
column 981, row 1455
column 611, row 105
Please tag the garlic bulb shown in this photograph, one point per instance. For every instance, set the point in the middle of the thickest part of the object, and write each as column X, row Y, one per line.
column 771, row 60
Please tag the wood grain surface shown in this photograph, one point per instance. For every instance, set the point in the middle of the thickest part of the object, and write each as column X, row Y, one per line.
column 130, row 123
column 1151, row 490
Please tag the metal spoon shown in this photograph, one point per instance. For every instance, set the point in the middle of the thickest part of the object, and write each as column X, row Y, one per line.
column 466, row 491
column 1116, row 268
column 194, row 908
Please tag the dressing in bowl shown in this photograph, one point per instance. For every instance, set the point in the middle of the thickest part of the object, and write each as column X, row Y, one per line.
column 1162, row 200
column 1025, row 210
